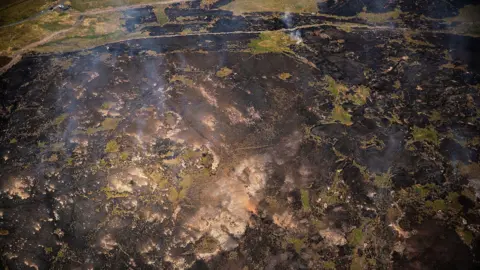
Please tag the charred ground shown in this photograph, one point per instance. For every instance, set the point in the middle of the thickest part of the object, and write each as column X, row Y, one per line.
column 258, row 141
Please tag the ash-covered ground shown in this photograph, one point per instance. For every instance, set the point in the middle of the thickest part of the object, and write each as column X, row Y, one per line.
column 265, row 141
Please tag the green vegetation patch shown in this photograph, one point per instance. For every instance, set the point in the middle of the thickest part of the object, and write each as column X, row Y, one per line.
column 83, row 5
column 271, row 42
column 159, row 179
column 21, row 10
column 336, row 89
column 297, row 243
column 112, row 147
column 159, row 11
column 383, row 180
column 224, row 72
column 48, row 250
column 94, row 30
column 436, row 205
column 362, row 93
column 465, row 235
column 397, row 84
column 245, row 6
column 407, row 35
column 284, row 76
column 18, row 36
column 428, row 134
column 305, row 200
column 372, row 142
column 107, row 124
column 355, row 237
column 173, row 194
column 124, row 156
column 329, row 265
column 60, row 119
column 339, row 114
column 111, row 194
column 379, row 17
column 337, row 192
column 41, row 144
column 183, row 79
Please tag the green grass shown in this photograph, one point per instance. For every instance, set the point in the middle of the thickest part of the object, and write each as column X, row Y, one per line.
column 83, row 5
column 329, row 265
column 22, row 10
column 335, row 88
column 297, row 244
column 18, row 36
column 305, row 200
column 383, row 180
column 112, row 147
column 339, row 114
column 428, row 134
column 284, row 76
column 183, row 79
column 159, row 11
column 297, row 6
column 271, row 42
column 437, row 205
column 224, row 72
column 355, row 237
column 111, row 194
column 107, row 124
column 362, row 93
column 379, row 17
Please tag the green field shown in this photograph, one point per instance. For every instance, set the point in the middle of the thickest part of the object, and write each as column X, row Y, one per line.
column 83, row 5
column 244, row 6
column 20, row 10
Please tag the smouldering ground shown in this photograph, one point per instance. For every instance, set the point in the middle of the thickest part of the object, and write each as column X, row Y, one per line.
column 267, row 141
